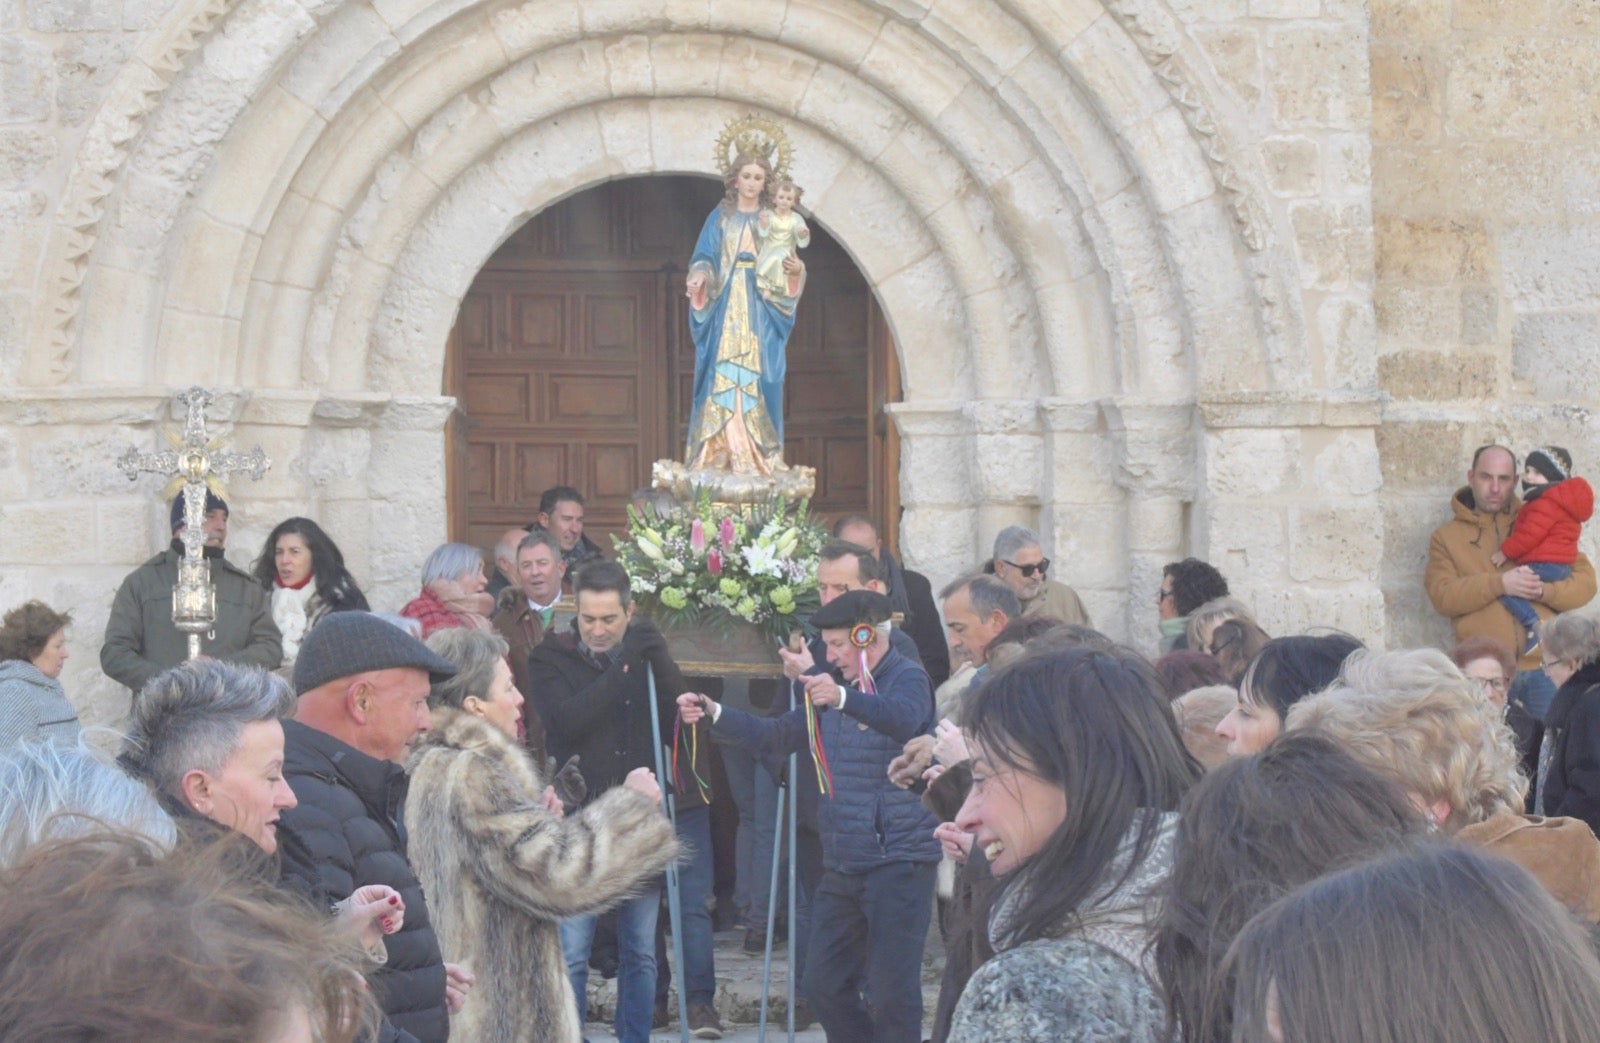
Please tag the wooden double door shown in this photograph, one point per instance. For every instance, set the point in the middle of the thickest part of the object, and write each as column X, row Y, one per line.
column 572, row 363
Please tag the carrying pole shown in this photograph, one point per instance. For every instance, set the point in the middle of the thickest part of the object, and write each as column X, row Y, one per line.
column 674, row 910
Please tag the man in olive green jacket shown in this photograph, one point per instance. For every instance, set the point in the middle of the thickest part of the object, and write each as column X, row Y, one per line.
column 141, row 640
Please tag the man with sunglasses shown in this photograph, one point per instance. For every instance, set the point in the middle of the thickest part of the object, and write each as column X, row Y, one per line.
column 1185, row 586
column 1020, row 563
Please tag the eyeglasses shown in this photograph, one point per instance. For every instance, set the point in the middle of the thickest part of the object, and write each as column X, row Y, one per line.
column 1162, row 595
column 1494, row 684
column 1028, row 570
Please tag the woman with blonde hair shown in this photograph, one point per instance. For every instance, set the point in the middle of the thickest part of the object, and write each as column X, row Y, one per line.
column 1414, row 717
column 1205, row 619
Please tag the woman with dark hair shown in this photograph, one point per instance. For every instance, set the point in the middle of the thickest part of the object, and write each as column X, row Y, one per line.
column 33, row 649
column 101, row 938
column 302, row 569
column 1076, row 769
column 1287, row 670
column 1253, row 830
column 1184, row 671
column 1438, row 944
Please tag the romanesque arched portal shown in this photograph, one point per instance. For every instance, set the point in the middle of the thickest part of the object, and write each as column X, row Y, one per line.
column 1062, row 205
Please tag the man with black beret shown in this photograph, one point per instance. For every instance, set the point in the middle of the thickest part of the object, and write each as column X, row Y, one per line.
column 870, row 913
column 363, row 702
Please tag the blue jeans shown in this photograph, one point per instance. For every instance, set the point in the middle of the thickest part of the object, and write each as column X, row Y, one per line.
column 636, row 951
column 1534, row 691
column 694, row 900
column 1520, row 608
column 870, row 927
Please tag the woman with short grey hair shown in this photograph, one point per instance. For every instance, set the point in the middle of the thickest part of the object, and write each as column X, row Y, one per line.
column 52, row 792
column 452, row 591
column 206, row 735
column 1569, row 759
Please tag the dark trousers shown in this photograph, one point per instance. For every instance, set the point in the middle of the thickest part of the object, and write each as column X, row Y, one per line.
column 870, row 927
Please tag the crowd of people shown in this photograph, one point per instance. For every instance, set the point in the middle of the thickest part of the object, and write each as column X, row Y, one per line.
column 345, row 824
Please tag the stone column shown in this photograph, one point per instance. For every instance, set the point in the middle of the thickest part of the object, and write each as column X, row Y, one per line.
column 1291, row 512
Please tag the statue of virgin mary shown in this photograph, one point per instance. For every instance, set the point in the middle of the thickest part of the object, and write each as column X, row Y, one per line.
column 740, row 328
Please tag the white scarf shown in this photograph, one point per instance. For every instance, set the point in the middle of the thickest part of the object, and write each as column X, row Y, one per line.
column 290, row 612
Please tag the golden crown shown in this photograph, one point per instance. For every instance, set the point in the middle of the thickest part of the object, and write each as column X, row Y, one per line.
column 754, row 135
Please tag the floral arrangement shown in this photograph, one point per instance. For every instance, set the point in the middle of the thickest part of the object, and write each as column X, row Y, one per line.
column 708, row 567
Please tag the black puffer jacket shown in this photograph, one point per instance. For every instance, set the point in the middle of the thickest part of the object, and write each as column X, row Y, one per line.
column 346, row 833
column 1572, row 728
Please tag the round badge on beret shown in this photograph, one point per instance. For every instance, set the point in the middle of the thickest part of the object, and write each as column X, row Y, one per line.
column 861, row 635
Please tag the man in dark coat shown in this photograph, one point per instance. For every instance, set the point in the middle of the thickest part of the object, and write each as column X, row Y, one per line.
column 561, row 515
column 911, row 594
column 591, row 687
column 870, row 913
column 141, row 640
column 363, row 703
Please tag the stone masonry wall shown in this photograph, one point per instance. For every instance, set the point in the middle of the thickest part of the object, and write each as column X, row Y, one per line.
column 1486, row 212
column 1125, row 247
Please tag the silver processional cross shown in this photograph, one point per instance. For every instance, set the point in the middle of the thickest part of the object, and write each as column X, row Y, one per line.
column 194, row 459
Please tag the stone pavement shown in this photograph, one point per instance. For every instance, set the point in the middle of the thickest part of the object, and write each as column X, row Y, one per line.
column 739, row 994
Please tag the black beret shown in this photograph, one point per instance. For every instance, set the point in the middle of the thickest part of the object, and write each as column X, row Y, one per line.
column 853, row 607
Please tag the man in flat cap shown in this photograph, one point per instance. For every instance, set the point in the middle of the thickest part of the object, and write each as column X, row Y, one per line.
column 363, row 703
column 871, row 911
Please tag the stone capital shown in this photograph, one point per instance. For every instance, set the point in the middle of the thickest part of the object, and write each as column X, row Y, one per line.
column 1289, row 409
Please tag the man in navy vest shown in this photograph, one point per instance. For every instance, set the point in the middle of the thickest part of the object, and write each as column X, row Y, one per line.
column 870, row 913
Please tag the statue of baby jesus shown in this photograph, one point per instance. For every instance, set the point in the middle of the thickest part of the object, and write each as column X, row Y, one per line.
column 783, row 232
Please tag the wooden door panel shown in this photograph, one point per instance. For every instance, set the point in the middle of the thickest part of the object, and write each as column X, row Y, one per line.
column 500, row 398
column 612, row 329
column 586, row 398
column 538, row 325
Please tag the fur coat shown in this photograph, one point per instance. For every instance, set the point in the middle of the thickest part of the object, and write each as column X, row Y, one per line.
column 501, row 872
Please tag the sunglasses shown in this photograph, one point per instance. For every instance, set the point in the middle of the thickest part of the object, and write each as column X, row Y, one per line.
column 1028, row 570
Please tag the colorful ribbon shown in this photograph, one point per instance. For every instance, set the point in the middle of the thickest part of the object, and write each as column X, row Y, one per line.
column 819, row 756
column 694, row 755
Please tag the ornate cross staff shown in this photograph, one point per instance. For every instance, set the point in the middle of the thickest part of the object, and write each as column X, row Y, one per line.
column 197, row 463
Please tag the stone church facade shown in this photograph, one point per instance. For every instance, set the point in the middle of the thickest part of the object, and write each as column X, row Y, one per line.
column 1239, row 278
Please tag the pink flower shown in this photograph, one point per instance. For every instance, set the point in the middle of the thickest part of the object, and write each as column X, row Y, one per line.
column 727, row 534
column 697, row 537
column 714, row 562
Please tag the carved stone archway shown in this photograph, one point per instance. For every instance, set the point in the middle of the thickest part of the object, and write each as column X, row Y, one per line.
column 1048, row 197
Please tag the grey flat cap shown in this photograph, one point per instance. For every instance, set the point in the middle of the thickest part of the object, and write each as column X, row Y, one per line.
column 348, row 643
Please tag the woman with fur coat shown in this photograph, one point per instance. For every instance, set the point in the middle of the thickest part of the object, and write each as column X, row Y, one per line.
column 500, row 864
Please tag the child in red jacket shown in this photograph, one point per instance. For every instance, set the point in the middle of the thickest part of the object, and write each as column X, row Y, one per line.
column 1544, row 536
